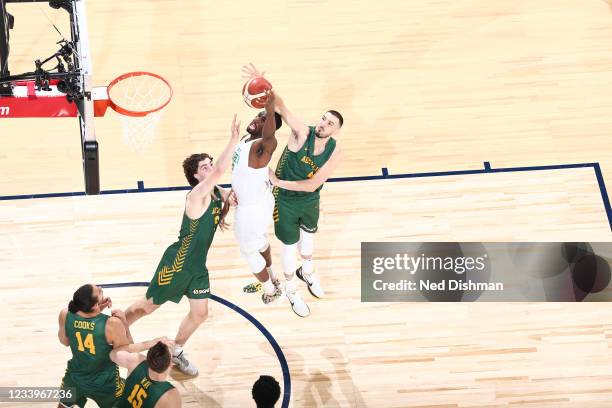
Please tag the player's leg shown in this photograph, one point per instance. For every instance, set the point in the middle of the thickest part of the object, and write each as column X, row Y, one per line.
column 250, row 228
column 198, row 292
column 198, row 313
column 308, row 227
column 267, row 217
column 257, row 264
column 73, row 395
column 306, row 249
column 110, row 399
column 267, row 256
column 257, row 285
column 289, row 265
column 161, row 289
column 286, row 228
column 140, row 308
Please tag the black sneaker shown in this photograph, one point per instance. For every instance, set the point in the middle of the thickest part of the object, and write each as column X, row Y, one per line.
column 313, row 283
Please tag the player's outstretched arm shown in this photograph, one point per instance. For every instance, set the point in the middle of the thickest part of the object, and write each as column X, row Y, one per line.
column 315, row 181
column 298, row 127
column 142, row 346
column 125, row 359
column 268, row 139
column 61, row 334
column 205, row 187
column 129, row 356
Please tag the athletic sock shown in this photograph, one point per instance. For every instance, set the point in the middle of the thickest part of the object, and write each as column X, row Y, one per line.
column 307, row 266
column 268, row 287
column 290, row 285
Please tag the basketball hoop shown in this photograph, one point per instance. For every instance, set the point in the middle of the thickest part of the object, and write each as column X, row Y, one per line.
column 139, row 98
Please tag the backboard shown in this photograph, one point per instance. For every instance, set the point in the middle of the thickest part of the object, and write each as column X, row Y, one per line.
column 61, row 91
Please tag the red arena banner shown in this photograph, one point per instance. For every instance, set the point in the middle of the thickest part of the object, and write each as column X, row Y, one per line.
column 27, row 102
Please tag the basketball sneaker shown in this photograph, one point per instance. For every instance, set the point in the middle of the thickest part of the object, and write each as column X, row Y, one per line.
column 312, row 281
column 298, row 305
column 253, row 287
column 258, row 287
column 180, row 359
column 271, row 298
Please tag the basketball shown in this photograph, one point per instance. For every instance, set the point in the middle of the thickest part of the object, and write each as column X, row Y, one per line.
column 254, row 92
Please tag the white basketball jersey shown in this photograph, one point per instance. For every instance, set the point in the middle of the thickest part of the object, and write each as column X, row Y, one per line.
column 250, row 185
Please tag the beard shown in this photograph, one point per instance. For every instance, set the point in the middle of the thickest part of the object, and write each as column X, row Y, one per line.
column 320, row 136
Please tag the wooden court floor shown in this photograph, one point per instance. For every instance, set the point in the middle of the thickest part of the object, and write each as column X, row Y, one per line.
column 424, row 86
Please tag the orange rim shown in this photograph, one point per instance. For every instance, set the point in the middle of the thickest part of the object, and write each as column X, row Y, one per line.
column 129, row 112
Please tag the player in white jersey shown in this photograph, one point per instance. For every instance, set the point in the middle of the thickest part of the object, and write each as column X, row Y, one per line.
column 251, row 185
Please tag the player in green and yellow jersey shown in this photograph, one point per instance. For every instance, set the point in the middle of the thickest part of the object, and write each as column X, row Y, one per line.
column 146, row 385
column 310, row 157
column 182, row 270
column 91, row 335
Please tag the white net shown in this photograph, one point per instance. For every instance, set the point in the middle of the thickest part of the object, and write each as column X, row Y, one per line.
column 139, row 132
column 134, row 95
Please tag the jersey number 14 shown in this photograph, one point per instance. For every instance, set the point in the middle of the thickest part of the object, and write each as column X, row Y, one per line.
column 87, row 344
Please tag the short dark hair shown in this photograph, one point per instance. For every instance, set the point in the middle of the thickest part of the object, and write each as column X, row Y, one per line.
column 158, row 357
column 82, row 300
column 190, row 166
column 338, row 115
column 266, row 391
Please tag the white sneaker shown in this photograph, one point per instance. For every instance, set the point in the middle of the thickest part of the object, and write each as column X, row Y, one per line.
column 297, row 304
column 184, row 365
column 312, row 281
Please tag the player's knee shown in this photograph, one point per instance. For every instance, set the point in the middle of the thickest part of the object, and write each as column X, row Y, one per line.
column 264, row 248
column 149, row 308
column 255, row 260
column 288, row 251
column 199, row 314
column 288, row 258
column 306, row 244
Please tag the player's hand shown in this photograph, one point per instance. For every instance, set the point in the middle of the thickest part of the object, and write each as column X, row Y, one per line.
column 235, row 128
column 273, row 179
column 233, row 200
column 270, row 100
column 106, row 302
column 250, row 71
column 119, row 314
column 167, row 341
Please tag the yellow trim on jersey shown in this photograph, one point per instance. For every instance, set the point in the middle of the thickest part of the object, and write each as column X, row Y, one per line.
column 167, row 273
column 119, row 383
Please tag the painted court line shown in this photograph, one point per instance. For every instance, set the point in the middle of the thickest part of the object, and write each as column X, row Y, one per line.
column 383, row 176
column 279, row 352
